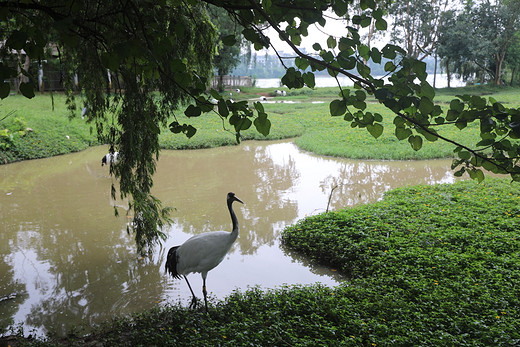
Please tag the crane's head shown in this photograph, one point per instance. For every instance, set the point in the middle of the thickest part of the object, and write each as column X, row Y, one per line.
column 232, row 197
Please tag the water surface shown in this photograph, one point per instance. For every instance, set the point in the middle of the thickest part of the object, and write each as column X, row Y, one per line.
column 441, row 81
column 66, row 260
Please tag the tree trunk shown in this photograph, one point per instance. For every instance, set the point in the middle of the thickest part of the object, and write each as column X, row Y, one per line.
column 498, row 70
column 21, row 77
column 435, row 71
column 371, row 29
column 40, row 79
column 220, row 82
column 409, row 31
column 18, row 83
column 513, row 72
column 26, row 65
column 448, row 72
column 109, row 76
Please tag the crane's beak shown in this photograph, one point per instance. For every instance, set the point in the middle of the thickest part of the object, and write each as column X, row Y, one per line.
column 237, row 199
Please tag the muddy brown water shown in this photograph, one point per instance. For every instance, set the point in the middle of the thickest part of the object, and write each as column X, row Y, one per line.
column 67, row 261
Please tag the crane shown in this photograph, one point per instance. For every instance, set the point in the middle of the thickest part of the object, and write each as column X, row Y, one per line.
column 110, row 158
column 202, row 252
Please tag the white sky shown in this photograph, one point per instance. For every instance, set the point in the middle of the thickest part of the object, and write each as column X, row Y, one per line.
column 317, row 33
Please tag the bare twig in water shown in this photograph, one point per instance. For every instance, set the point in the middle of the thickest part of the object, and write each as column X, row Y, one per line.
column 330, row 196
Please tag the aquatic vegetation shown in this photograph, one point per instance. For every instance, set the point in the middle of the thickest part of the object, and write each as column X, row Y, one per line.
column 429, row 264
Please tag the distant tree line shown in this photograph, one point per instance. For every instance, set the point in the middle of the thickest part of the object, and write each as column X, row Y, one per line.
column 481, row 41
column 477, row 41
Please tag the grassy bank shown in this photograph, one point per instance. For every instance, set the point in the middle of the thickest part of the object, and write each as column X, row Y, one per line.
column 429, row 265
column 302, row 113
column 307, row 118
column 36, row 130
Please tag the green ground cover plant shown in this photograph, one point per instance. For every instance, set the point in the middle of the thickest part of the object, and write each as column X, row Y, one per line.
column 433, row 265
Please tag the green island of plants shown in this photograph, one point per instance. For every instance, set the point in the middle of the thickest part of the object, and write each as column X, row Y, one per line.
column 427, row 265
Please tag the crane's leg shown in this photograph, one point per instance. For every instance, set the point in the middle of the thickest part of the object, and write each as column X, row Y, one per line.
column 194, row 298
column 205, row 293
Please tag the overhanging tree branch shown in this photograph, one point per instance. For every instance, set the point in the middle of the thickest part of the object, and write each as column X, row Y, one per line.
column 370, row 86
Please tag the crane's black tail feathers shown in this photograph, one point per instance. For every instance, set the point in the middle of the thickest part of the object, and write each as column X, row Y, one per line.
column 171, row 263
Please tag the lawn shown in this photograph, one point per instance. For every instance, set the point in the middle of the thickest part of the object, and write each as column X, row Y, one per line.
column 302, row 114
column 45, row 126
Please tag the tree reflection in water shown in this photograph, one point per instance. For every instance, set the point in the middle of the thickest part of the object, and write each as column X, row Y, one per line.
column 361, row 182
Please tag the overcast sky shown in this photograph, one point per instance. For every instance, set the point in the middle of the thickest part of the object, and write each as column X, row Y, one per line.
column 317, row 33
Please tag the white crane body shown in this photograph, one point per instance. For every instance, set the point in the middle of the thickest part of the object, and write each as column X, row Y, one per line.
column 203, row 252
column 110, row 158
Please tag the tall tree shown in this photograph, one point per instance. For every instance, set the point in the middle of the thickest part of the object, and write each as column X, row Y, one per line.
column 513, row 57
column 416, row 25
column 495, row 24
column 453, row 45
column 502, row 22
column 229, row 44
column 476, row 41
column 161, row 53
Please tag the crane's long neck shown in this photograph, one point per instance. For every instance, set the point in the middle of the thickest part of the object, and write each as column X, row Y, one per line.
column 234, row 220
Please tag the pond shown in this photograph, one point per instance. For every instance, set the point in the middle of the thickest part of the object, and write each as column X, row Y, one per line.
column 441, row 81
column 66, row 260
